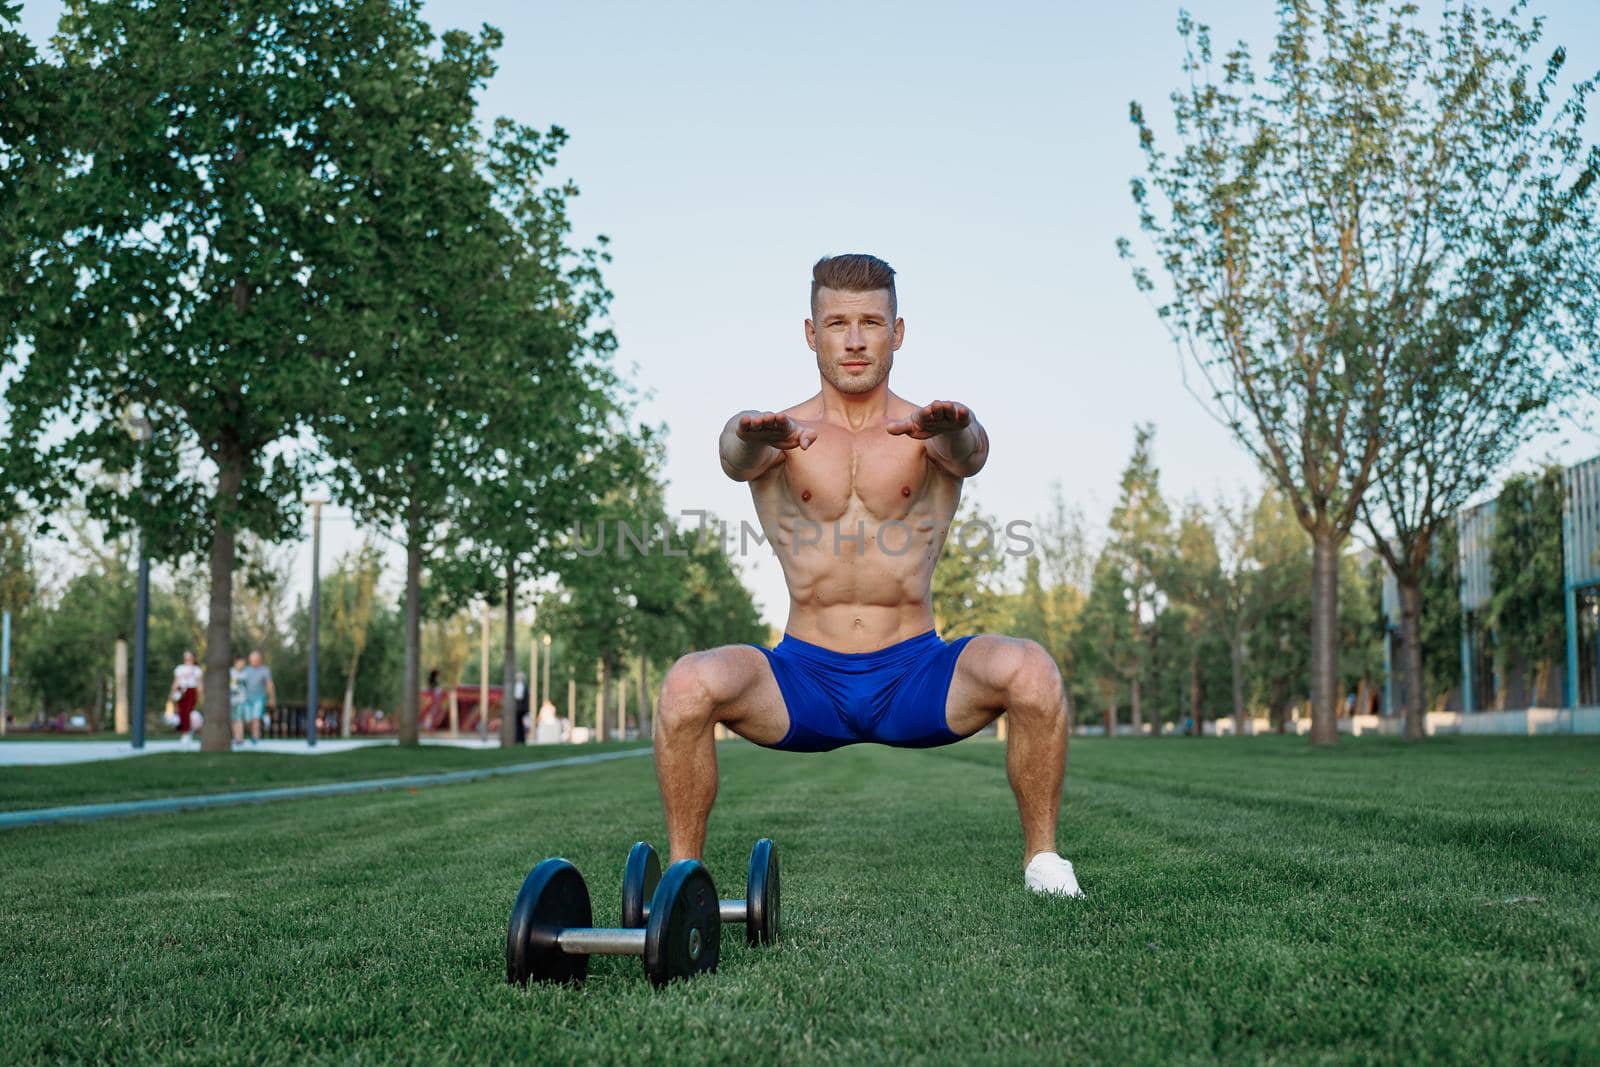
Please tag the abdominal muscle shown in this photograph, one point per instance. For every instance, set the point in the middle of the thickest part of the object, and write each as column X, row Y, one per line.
column 858, row 582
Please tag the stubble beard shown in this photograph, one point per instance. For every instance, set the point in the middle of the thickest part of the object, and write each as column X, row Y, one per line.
column 854, row 384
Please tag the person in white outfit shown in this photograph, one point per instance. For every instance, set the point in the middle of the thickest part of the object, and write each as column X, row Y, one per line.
column 188, row 690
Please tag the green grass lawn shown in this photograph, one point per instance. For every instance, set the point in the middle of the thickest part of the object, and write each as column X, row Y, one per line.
column 184, row 773
column 1249, row 900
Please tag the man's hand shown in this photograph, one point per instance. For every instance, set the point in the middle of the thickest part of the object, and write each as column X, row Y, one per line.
column 932, row 420
column 775, row 429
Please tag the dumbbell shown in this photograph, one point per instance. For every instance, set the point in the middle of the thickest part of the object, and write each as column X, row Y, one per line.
column 551, row 938
column 758, row 910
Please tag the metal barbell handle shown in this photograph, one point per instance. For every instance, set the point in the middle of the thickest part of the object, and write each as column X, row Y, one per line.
column 732, row 911
column 598, row 941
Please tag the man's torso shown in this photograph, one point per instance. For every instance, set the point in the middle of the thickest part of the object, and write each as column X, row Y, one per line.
column 254, row 680
column 858, row 521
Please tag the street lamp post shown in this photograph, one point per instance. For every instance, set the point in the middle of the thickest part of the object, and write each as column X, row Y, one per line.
column 140, row 429
column 547, row 666
column 316, row 618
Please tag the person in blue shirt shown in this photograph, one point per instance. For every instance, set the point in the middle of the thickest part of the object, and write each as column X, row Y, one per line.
column 259, row 694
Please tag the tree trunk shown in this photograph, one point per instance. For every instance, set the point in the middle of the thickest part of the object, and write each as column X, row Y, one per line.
column 1411, row 656
column 349, row 700
column 410, row 700
column 602, row 679
column 1236, row 662
column 1324, row 638
column 1196, row 716
column 1111, row 715
column 216, row 733
column 508, row 673
column 1135, row 710
column 647, row 723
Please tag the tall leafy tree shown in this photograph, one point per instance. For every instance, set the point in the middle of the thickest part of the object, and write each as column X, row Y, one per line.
column 1108, row 650
column 1525, row 611
column 1504, row 202
column 353, row 603
column 1332, row 228
column 1196, row 584
column 189, row 254
column 968, row 579
column 483, row 419
column 1440, row 632
column 1279, row 597
column 1139, row 542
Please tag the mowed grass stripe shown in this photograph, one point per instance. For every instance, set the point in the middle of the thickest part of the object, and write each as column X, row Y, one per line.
column 174, row 805
column 1217, row 926
column 186, row 773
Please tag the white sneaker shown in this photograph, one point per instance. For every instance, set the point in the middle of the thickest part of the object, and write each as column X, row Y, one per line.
column 1049, row 873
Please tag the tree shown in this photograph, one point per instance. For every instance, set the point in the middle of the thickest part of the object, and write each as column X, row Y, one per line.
column 189, row 254
column 1332, row 231
column 1525, row 611
column 352, row 605
column 1503, row 202
column 1195, row 582
column 1440, row 632
column 481, row 421
column 1107, row 649
column 1279, row 598
column 1140, row 539
column 967, row 580
column 1055, row 588
column 1235, row 523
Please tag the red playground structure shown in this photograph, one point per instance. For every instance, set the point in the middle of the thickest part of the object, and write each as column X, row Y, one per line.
column 434, row 716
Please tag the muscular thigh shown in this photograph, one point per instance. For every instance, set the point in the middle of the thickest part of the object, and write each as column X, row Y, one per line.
column 744, row 693
column 979, row 687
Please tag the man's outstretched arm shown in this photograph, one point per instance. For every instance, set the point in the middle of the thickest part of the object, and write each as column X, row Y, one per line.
column 753, row 442
column 952, row 436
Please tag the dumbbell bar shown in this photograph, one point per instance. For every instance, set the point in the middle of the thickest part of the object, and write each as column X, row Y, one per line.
column 550, row 938
column 758, row 910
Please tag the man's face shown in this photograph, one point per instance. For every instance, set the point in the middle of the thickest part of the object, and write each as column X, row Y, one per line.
column 855, row 336
column 255, row 659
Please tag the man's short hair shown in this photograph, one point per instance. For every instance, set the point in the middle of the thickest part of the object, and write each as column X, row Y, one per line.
column 854, row 272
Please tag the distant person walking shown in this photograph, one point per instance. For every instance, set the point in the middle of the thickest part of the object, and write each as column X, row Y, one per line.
column 188, row 687
column 519, row 705
column 259, row 694
column 236, row 690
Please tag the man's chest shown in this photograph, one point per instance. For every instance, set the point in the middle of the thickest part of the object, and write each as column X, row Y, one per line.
column 843, row 473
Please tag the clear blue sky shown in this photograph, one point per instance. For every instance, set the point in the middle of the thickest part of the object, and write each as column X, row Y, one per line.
column 983, row 150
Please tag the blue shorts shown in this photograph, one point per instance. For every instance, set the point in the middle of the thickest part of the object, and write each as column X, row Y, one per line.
column 894, row 696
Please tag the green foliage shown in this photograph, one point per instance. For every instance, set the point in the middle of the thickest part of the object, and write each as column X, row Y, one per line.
column 1441, row 616
column 1526, row 611
column 1138, row 545
column 63, row 646
column 968, row 595
column 1373, row 253
column 1279, row 591
column 638, row 580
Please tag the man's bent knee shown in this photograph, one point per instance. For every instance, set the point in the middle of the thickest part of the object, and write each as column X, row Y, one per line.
column 697, row 688
column 1035, row 683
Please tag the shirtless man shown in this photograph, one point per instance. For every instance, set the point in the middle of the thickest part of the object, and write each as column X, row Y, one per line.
column 855, row 489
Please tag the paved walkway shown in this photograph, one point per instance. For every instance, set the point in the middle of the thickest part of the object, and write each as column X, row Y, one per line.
column 164, row 805
column 39, row 753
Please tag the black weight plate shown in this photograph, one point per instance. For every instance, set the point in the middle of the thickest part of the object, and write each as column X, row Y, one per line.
column 553, row 898
column 761, row 895
column 684, row 937
column 640, row 876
